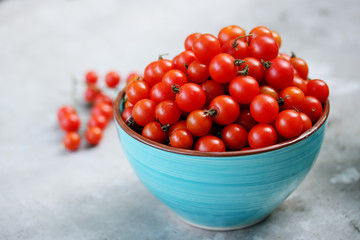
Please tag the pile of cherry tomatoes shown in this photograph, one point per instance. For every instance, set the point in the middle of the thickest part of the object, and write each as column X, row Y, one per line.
column 101, row 112
column 225, row 93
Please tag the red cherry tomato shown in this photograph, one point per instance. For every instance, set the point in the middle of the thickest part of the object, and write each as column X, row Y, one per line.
column 264, row 108
column 183, row 60
column 93, row 135
column 262, row 135
column 190, row 40
column 222, row 68
column 70, row 122
column 72, row 141
column 90, row 94
column 199, row 123
column 226, row 109
column 155, row 132
column 244, row 89
column 190, row 97
column 237, row 48
column 280, row 74
column 256, row 69
column 197, row 72
column 160, row 68
column 319, row 89
column 264, row 47
column 167, row 112
column 300, row 65
column 300, row 83
column 210, row 143
column 292, row 98
column 64, row 110
column 173, row 78
column 132, row 75
column 246, row 120
column 102, row 98
column 284, row 56
column 229, row 33
column 277, row 37
column 289, row 124
column 181, row 138
column 312, row 108
column 212, row 89
column 178, row 125
column 159, row 94
column 112, row 79
column 307, row 124
column 103, row 109
column 137, row 90
column 91, row 77
column 98, row 120
column 144, row 112
column 149, row 75
column 259, row 31
column 234, row 136
column 206, row 47
column 266, row 89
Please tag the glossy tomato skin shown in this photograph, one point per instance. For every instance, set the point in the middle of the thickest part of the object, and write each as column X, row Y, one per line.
column 72, row 140
column 312, row 108
column 300, row 83
column 262, row 135
column 266, row 89
column 277, row 37
column 226, row 109
column 222, row 68
column 229, row 33
column 93, row 135
column 234, row 136
column 137, row 90
column 64, row 110
column 167, row 112
column 198, row 123
column 246, row 120
column 244, row 89
column 307, row 124
column 154, row 131
column 289, row 124
column 161, row 67
column 197, row 72
column 264, row 47
column 256, row 69
column 210, row 143
column 301, row 66
column 181, row 124
column 112, row 79
column 159, row 94
column 183, row 60
column 264, row 108
column 212, row 89
column 188, row 44
column 181, row 138
column 173, row 78
column 206, row 47
column 149, row 76
column 236, row 48
column 70, row 122
column 91, row 77
column 190, row 97
column 280, row 74
column 319, row 89
column 143, row 112
column 259, row 31
column 292, row 98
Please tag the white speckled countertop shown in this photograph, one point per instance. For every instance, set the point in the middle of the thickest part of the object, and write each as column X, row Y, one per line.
column 49, row 193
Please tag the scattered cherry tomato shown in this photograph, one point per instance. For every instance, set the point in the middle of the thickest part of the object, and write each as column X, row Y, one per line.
column 70, row 122
column 91, row 77
column 112, row 79
column 72, row 141
column 93, row 135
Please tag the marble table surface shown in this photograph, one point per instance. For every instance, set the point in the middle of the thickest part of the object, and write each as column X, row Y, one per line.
column 48, row 193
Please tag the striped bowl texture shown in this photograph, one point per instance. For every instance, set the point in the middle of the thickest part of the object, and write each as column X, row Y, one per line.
column 221, row 191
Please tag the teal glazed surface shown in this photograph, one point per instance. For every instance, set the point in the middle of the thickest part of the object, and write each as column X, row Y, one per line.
column 226, row 192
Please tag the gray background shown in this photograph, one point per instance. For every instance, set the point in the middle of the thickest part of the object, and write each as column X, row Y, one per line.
column 49, row 193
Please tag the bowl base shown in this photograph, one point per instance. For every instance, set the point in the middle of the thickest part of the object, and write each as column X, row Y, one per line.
column 223, row 228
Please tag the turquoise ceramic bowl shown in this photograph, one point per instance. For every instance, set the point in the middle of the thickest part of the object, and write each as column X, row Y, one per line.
column 221, row 191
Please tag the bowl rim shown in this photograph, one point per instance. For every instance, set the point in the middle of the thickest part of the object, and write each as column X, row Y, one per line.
column 160, row 146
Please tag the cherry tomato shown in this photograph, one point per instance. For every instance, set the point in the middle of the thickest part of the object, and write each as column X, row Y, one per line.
column 300, row 65
column 300, row 83
column 160, row 68
column 229, row 33
column 144, row 111
column 222, row 68
column 264, row 108
column 312, row 108
column 190, row 97
column 197, row 72
column 262, row 135
column 112, row 79
column 259, row 31
column 126, row 114
column 90, row 94
column 319, row 89
column 183, row 60
column 64, row 110
column 132, row 75
column 155, row 132
column 289, row 124
column 181, row 124
column 199, row 123
column 284, row 56
column 212, row 89
column 234, row 136
column 98, row 120
column 292, row 98
column 70, row 122
column 91, row 77
column 104, row 109
column 137, row 90
column 244, row 89
column 245, row 119
column 159, row 94
column 266, row 89
column 181, row 138
column 93, row 135
column 206, row 47
column 264, row 47
column 72, row 141
column 210, row 143
column 280, row 74
column 256, row 69
column 173, row 78
column 277, row 37
column 103, row 98
column 167, row 112
column 237, row 48
column 226, row 109
column 190, row 40
column 307, row 124
column 149, row 75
